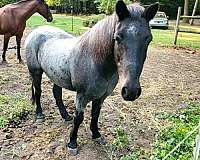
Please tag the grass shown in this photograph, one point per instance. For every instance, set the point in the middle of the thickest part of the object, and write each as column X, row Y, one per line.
column 179, row 125
column 13, row 108
column 63, row 22
column 162, row 38
column 165, row 38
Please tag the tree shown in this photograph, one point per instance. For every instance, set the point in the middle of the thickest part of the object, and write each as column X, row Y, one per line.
column 4, row 2
column 186, row 11
column 56, row 3
column 108, row 6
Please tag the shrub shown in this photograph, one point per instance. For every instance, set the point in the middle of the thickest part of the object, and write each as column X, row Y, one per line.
column 86, row 23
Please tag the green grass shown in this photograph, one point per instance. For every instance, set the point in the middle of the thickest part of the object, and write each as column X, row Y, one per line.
column 180, row 124
column 60, row 21
column 13, row 107
column 65, row 22
column 165, row 38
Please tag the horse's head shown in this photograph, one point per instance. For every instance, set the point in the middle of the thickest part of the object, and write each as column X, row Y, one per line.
column 44, row 10
column 132, row 37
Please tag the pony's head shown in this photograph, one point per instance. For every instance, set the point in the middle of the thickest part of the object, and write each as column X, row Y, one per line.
column 43, row 9
column 132, row 37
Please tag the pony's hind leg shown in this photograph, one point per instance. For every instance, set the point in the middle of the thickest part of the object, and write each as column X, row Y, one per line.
column 36, row 94
column 18, row 40
column 96, row 108
column 5, row 47
column 57, row 92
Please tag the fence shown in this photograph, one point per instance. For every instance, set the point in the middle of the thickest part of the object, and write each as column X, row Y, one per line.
column 178, row 23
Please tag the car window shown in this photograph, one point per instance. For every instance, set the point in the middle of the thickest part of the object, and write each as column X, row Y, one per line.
column 160, row 15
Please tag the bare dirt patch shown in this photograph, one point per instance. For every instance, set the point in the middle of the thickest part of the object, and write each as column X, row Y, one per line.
column 170, row 79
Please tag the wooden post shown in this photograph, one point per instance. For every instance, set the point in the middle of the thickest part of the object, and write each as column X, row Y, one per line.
column 177, row 25
column 194, row 11
column 72, row 14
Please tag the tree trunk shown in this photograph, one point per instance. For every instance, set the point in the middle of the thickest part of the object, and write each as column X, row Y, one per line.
column 186, row 11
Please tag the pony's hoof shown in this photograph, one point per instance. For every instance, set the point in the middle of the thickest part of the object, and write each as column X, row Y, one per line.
column 21, row 62
column 40, row 118
column 73, row 151
column 101, row 140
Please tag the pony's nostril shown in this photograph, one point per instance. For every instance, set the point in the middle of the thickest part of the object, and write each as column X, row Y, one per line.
column 124, row 91
column 139, row 91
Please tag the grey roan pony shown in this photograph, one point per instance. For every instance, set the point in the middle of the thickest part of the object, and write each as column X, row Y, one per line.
column 115, row 48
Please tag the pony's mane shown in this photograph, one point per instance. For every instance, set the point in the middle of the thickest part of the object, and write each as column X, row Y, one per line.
column 99, row 40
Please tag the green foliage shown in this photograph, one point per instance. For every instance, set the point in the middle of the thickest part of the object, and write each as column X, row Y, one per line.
column 4, row 2
column 13, row 108
column 86, row 23
column 56, row 3
column 132, row 156
column 121, row 139
column 108, row 6
column 90, row 22
column 180, row 125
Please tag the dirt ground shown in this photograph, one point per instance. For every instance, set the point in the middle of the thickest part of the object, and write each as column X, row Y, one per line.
column 170, row 79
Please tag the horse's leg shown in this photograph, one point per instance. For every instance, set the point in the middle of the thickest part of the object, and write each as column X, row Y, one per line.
column 96, row 136
column 78, row 119
column 36, row 82
column 5, row 47
column 18, row 40
column 57, row 92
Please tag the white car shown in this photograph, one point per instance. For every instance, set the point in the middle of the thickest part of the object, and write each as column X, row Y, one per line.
column 160, row 20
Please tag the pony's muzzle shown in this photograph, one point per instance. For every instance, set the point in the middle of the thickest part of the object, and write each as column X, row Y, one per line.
column 131, row 94
column 50, row 19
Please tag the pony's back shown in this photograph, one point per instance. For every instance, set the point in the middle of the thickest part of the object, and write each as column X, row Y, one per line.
column 38, row 37
column 42, row 34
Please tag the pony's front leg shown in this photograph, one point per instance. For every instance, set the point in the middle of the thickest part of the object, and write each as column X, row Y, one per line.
column 96, row 136
column 78, row 119
column 57, row 92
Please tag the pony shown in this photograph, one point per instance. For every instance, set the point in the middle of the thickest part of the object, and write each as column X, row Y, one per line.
column 91, row 65
column 13, row 19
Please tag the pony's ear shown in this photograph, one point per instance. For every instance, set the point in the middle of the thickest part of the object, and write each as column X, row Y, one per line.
column 122, row 10
column 151, row 11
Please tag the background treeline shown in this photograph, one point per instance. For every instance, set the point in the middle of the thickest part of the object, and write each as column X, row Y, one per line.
column 107, row 6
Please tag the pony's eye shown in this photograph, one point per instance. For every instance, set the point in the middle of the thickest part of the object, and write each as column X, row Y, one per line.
column 118, row 38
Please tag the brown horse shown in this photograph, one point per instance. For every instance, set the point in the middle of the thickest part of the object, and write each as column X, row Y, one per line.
column 13, row 19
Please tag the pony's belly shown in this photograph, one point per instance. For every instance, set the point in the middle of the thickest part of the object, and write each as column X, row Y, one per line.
column 62, row 81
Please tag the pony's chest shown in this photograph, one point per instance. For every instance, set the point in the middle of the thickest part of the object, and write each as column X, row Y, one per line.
column 100, row 86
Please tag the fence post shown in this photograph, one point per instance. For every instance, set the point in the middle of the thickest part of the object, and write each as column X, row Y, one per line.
column 177, row 25
column 194, row 11
column 72, row 14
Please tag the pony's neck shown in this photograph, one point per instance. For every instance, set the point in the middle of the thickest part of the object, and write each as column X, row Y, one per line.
column 98, row 41
column 27, row 8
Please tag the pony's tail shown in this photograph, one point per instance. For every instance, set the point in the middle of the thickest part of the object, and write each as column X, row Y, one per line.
column 33, row 94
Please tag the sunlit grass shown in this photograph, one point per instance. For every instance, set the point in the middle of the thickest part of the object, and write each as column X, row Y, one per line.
column 180, row 124
column 166, row 37
column 13, row 107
